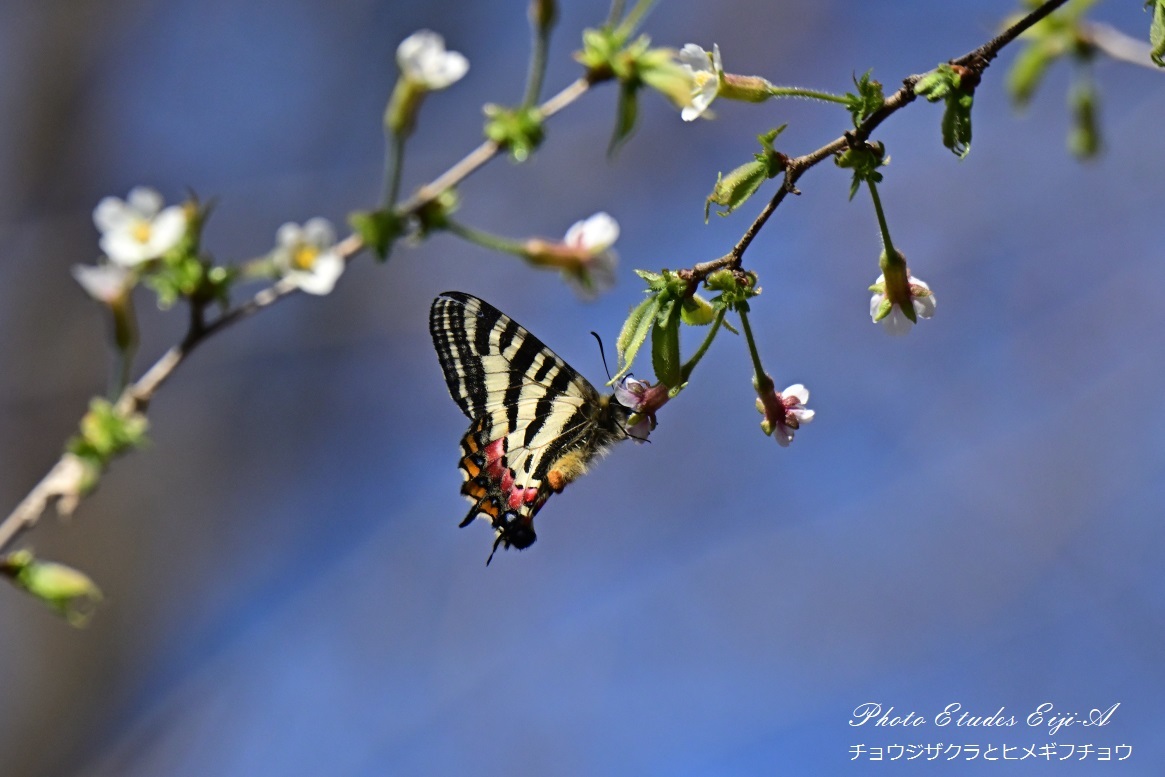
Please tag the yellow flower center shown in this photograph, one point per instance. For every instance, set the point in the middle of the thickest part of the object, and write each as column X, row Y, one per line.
column 141, row 232
column 702, row 77
column 304, row 256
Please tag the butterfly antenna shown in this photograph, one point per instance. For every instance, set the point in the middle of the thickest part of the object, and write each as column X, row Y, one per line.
column 602, row 355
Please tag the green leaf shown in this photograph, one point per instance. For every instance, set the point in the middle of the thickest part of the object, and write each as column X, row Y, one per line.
column 634, row 333
column 665, row 343
column 625, row 117
column 1027, row 72
column 1084, row 137
column 956, row 124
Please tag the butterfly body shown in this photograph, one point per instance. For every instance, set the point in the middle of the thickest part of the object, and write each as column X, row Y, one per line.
column 536, row 424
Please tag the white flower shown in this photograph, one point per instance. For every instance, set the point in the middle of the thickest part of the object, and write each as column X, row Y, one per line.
column 784, row 412
column 424, row 61
column 137, row 229
column 107, row 283
column 895, row 321
column 305, row 256
column 705, row 72
column 592, row 239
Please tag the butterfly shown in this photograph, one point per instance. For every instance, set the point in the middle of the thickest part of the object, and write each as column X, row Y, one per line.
column 535, row 423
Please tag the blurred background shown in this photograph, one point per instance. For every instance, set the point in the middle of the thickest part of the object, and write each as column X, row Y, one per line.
column 974, row 516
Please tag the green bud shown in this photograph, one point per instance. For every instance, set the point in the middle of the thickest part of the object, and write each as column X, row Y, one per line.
column 519, row 131
column 105, row 432
column 67, row 591
column 543, row 15
column 734, row 189
column 434, row 215
column 697, row 311
column 379, row 229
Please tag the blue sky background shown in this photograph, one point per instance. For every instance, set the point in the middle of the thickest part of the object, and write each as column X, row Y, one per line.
column 973, row 517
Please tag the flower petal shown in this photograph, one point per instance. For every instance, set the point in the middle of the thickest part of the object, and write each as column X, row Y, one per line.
column 145, row 201
column 111, row 213
column 797, row 391
column 168, row 228
column 595, row 234
column 694, row 57
column 319, row 233
column 896, row 323
column 924, row 306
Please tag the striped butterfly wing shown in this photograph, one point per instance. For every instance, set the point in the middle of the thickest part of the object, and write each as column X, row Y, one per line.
column 535, row 422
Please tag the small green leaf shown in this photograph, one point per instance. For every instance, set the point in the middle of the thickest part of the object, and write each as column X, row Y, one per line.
column 956, row 124
column 866, row 101
column 625, row 117
column 1157, row 32
column 1027, row 72
column 634, row 333
column 1084, row 137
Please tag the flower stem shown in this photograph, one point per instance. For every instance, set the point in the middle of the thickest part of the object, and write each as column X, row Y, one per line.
column 761, row 378
column 537, row 65
column 887, row 243
column 812, row 94
column 393, row 163
column 691, row 363
column 487, row 240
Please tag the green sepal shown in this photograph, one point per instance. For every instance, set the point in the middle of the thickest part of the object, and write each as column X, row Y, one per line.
column 518, row 130
column 378, row 229
column 634, row 333
column 66, row 591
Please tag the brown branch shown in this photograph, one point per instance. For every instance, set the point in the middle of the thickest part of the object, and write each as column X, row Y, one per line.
column 63, row 484
column 976, row 61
